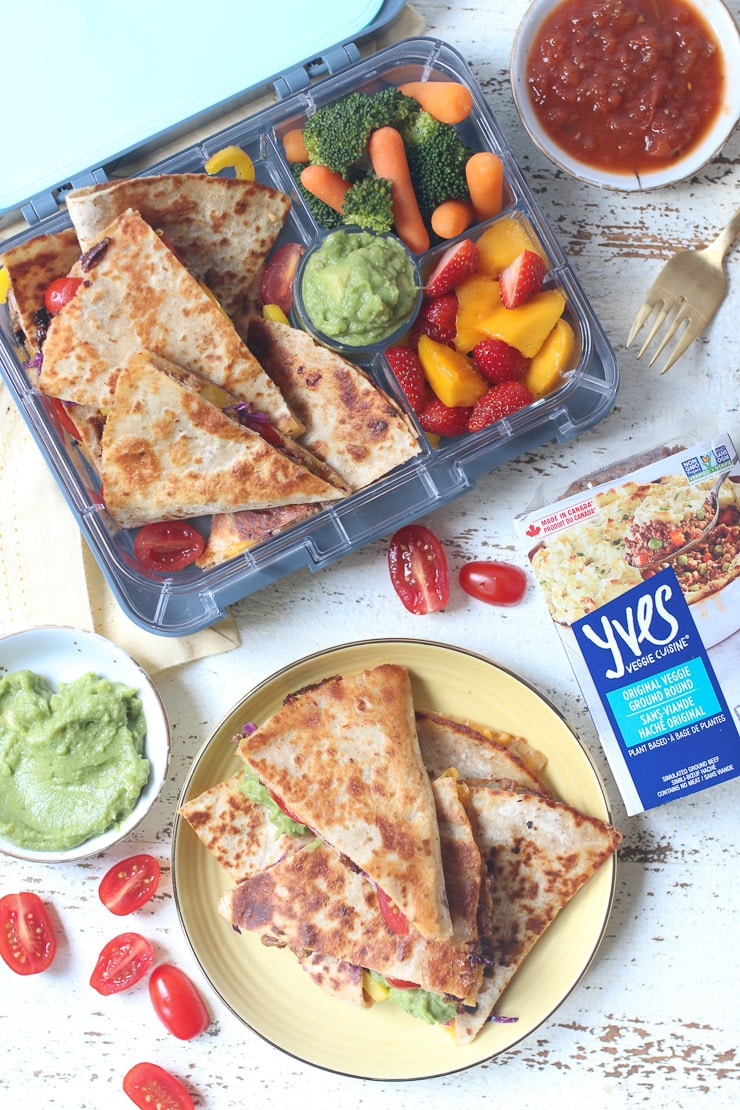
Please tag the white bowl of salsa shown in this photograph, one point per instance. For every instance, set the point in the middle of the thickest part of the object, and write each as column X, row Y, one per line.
column 84, row 744
column 628, row 94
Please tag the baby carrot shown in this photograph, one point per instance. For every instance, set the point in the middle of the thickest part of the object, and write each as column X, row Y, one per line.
column 388, row 158
column 447, row 101
column 294, row 146
column 485, row 177
column 326, row 185
column 451, row 217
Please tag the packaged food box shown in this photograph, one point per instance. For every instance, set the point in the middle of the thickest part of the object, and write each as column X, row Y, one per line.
column 640, row 570
column 176, row 604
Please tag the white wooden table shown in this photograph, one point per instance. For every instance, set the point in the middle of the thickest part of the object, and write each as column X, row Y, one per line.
column 655, row 1020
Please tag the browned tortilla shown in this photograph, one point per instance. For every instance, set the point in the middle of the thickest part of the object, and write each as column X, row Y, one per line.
column 136, row 294
column 312, row 900
column 169, row 454
column 32, row 266
column 222, row 228
column 538, row 853
column 344, row 758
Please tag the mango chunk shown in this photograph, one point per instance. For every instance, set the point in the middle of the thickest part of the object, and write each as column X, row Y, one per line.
column 546, row 367
column 477, row 296
column 452, row 376
column 501, row 243
column 528, row 326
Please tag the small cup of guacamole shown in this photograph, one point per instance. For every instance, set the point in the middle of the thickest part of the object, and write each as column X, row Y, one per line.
column 356, row 291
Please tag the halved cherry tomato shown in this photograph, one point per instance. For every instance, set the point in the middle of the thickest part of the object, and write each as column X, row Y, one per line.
column 177, row 1003
column 418, row 569
column 61, row 412
column 123, row 961
column 395, row 919
column 402, row 984
column 27, row 941
column 60, row 292
column 152, row 1088
column 276, row 283
column 494, row 583
column 279, row 802
column 129, row 884
column 168, row 545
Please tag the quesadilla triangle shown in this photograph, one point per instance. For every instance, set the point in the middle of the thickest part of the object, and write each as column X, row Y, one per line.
column 463, row 874
column 169, row 454
column 233, row 533
column 449, row 743
column 222, row 228
column 349, row 421
column 538, row 854
column 343, row 757
column 137, row 294
column 32, row 266
column 236, row 831
column 313, row 901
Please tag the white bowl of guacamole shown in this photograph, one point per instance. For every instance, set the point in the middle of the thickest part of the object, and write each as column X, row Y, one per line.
column 84, row 744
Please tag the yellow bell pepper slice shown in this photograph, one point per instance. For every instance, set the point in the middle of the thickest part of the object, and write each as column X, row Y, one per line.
column 275, row 313
column 4, row 285
column 373, row 988
column 231, row 156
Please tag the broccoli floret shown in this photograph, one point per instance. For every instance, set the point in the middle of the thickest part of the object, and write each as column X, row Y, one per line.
column 336, row 134
column 324, row 214
column 437, row 157
column 390, row 107
column 368, row 204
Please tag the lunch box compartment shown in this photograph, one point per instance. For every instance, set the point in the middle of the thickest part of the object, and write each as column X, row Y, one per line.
column 185, row 602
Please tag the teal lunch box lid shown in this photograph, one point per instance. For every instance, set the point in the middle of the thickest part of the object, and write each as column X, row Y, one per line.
column 89, row 81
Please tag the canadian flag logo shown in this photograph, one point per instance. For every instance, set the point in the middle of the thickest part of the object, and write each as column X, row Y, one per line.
column 534, row 530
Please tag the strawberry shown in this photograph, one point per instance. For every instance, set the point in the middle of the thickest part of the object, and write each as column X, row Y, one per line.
column 407, row 369
column 444, row 420
column 500, row 400
column 457, row 263
column 499, row 361
column 521, row 278
column 437, row 318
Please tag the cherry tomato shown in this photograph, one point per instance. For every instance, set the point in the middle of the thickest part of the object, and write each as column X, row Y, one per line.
column 61, row 411
column 167, row 545
column 177, row 1003
column 60, row 292
column 129, row 884
column 27, row 941
column 276, row 284
column 394, row 918
column 123, row 961
column 418, row 568
column 150, row 1086
column 494, row 583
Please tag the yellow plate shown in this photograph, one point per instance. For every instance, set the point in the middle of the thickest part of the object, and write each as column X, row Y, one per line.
column 267, row 989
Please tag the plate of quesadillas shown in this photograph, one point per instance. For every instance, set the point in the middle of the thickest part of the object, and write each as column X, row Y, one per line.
column 387, row 831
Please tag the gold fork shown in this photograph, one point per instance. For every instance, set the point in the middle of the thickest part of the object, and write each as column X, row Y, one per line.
column 692, row 286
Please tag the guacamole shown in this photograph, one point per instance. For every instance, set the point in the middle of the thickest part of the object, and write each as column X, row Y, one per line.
column 254, row 789
column 72, row 763
column 358, row 288
column 420, row 1003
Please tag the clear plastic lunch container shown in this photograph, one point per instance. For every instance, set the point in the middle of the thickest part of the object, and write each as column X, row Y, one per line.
column 181, row 603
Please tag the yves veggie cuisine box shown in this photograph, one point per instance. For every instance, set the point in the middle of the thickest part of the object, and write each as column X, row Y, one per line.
column 641, row 573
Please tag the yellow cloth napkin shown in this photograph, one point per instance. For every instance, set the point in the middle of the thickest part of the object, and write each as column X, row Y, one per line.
column 49, row 576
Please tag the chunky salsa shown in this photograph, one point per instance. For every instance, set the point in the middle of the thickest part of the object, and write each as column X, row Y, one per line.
column 626, row 85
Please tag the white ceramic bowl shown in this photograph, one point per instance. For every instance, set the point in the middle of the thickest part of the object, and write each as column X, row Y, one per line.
column 717, row 16
column 61, row 654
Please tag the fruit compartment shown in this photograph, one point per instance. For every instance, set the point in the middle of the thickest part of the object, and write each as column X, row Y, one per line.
column 191, row 599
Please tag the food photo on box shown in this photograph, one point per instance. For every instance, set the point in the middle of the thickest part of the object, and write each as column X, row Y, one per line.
column 366, row 599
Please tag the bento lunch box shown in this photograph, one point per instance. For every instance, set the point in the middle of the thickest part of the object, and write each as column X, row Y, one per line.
column 189, row 600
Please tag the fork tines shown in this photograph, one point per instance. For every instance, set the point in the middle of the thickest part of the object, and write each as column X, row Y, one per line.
column 656, row 301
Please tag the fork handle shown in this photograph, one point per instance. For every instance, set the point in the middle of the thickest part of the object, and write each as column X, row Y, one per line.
column 720, row 246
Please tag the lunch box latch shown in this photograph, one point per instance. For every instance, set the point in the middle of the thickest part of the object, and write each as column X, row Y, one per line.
column 334, row 61
column 48, row 204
